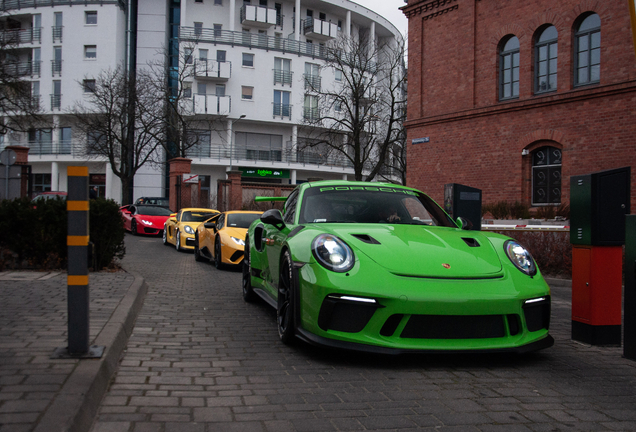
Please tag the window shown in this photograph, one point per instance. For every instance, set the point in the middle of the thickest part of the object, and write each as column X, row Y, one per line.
column 262, row 3
column 90, row 17
column 282, row 71
column 509, row 69
column 187, row 90
column 201, row 88
column 218, row 30
column 187, row 55
column 198, row 1
column 220, row 90
column 337, row 106
column 248, row 60
column 546, row 176
column 247, row 92
column 290, row 206
column 310, row 108
column 89, row 85
column 546, row 61
column 312, row 77
column 220, row 56
column 65, row 140
column 322, row 16
column 259, row 146
column 41, row 182
column 199, row 143
column 40, row 141
column 56, row 65
column 198, row 28
column 90, row 52
column 587, row 46
column 338, row 75
column 56, row 97
column 218, row 2
column 203, row 55
column 281, row 103
column 57, row 27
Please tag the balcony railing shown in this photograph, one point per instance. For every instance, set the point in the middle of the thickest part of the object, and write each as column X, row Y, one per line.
column 258, row 16
column 211, row 104
column 273, row 43
column 26, row 68
column 319, row 29
column 57, row 33
column 270, row 155
column 212, row 69
column 312, row 82
column 282, row 110
column 56, row 102
column 56, row 67
column 282, row 76
column 6, row 5
column 311, row 114
column 73, row 148
column 21, row 36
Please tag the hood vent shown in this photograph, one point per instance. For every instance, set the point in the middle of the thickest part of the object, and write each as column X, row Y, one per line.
column 471, row 242
column 366, row 238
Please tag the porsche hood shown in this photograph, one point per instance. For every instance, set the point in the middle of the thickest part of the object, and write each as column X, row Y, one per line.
column 424, row 251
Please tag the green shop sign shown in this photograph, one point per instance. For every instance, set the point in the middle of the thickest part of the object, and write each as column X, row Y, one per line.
column 264, row 172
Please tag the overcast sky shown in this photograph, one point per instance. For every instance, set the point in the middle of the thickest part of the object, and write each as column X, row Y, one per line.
column 389, row 10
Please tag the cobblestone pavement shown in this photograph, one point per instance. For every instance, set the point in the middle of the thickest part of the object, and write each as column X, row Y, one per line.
column 200, row 359
column 33, row 323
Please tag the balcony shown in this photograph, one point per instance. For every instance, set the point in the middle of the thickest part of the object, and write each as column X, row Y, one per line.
column 282, row 77
column 21, row 36
column 56, row 102
column 57, row 33
column 211, row 105
column 319, row 29
column 23, row 69
column 258, row 16
column 227, row 37
column 212, row 69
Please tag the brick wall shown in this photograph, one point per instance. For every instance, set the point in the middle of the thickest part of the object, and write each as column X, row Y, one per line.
column 477, row 140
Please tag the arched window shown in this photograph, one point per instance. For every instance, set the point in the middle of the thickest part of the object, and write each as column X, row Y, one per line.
column 546, row 61
column 546, row 176
column 587, row 46
column 509, row 69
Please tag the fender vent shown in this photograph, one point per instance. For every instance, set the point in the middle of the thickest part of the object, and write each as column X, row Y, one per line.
column 471, row 242
column 366, row 238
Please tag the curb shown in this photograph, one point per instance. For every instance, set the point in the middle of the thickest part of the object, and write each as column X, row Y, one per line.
column 75, row 406
column 555, row 282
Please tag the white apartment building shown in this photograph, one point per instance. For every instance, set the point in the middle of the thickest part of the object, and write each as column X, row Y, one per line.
column 252, row 59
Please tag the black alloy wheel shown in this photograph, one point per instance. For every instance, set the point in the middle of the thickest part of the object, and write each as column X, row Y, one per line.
column 197, row 252
column 218, row 258
column 133, row 227
column 286, row 298
column 248, row 293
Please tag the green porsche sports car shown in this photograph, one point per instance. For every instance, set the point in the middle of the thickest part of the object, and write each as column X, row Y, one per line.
column 382, row 268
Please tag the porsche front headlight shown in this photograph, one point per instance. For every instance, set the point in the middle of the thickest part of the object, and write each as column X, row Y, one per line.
column 238, row 241
column 188, row 229
column 332, row 253
column 520, row 257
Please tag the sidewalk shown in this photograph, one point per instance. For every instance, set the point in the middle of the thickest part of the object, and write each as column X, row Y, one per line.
column 47, row 395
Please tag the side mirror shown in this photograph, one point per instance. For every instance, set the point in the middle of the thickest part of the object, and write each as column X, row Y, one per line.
column 210, row 225
column 273, row 217
column 464, row 223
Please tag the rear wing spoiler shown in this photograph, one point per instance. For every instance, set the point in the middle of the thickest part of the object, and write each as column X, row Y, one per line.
column 264, row 199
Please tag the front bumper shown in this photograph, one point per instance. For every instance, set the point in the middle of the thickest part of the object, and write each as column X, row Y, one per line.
column 418, row 314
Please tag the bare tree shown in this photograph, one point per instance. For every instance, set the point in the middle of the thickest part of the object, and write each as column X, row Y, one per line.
column 188, row 118
column 360, row 118
column 18, row 104
column 126, row 140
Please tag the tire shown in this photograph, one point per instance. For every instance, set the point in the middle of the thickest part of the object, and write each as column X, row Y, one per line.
column 286, row 301
column 164, row 236
column 177, row 244
column 133, row 227
column 248, row 293
column 218, row 257
column 197, row 252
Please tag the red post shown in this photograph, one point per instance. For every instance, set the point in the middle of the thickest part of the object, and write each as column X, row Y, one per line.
column 178, row 167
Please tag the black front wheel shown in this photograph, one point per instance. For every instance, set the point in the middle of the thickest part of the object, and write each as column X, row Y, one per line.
column 286, row 299
column 248, row 293
column 133, row 227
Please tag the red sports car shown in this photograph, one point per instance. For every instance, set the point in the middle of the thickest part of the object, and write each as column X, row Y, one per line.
column 144, row 219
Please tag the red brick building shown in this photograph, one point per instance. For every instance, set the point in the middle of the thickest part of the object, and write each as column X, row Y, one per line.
column 515, row 97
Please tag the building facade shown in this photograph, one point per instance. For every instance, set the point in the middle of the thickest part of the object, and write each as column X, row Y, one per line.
column 252, row 61
column 515, row 97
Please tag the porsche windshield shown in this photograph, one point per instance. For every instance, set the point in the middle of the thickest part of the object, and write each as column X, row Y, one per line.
column 369, row 204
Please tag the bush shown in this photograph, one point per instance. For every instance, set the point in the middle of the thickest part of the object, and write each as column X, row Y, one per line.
column 34, row 236
column 506, row 210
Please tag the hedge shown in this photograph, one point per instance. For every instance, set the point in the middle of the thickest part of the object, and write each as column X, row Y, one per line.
column 34, row 235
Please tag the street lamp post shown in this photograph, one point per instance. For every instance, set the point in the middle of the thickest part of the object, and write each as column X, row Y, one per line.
column 232, row 133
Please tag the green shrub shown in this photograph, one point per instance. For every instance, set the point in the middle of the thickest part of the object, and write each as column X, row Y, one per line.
column 34, row 235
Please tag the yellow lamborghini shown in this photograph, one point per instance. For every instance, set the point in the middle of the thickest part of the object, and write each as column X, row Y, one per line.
column 180, row 227
column 221, row 239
